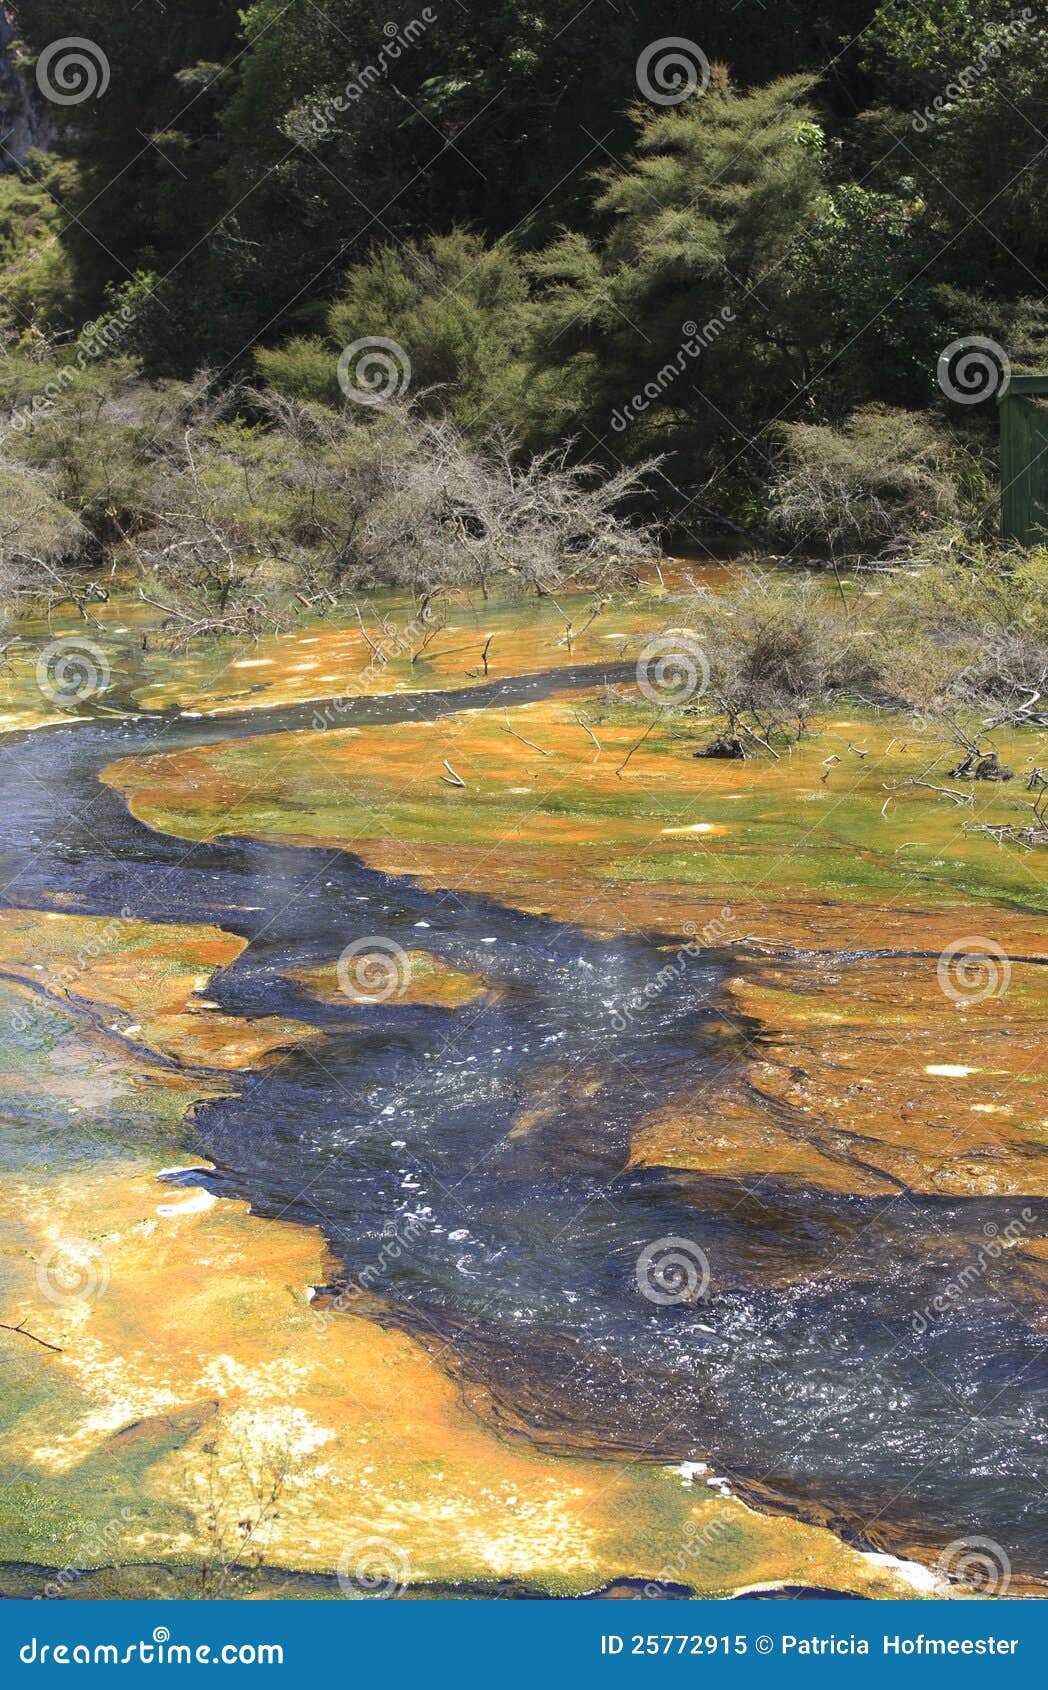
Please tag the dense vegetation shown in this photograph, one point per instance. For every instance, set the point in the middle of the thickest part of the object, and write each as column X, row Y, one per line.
column 610, row 304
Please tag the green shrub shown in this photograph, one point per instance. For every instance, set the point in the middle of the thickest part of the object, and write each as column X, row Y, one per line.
column 460, row 311
column 37, row 286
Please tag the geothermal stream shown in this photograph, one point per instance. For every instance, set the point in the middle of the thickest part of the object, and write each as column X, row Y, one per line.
column 797, row 1374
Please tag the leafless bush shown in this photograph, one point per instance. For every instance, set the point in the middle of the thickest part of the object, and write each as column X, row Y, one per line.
column 968, row 637
column 236, row 1495
column 307, row 502
column 777, row 652
column 411, row 502
column 39, row 536
column 865, row 487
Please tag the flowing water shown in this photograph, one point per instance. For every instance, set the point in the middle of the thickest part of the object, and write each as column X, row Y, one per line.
column 489, row 1144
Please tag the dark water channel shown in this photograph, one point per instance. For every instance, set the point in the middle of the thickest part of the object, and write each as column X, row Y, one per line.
column 801, row 1372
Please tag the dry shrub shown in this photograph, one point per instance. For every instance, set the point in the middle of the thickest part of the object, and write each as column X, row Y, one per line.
column 968, row 633
column 40, row 537
column 868, row 486
column 778, row 650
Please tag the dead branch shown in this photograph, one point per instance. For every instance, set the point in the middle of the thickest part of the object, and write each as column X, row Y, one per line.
column 528, row 742
column 23, row 1329
column 636, row 747
column 964, row 798
column 587, row 729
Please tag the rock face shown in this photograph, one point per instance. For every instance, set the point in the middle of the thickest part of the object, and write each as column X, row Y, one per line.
column 25, row 121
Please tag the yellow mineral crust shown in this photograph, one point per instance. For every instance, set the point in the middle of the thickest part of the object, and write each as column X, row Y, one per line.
column 197, row 1373
column 142, row 982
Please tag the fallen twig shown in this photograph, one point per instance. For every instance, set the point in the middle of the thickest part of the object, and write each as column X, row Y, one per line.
column 587, row 729
column 367, row 636
column 636, row 747
column 5, row 1326
column 958, row 797
column 762, row 742
column 1001, row 832
column 528, row 742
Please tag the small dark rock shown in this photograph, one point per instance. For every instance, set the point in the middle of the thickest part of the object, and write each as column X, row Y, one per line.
column 727, row 745
column 975, row 767
column 991, row 768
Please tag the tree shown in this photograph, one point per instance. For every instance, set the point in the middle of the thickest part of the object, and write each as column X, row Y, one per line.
column 147, row 143
column 461, row 312
column 973, row 75
column 679, row 319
